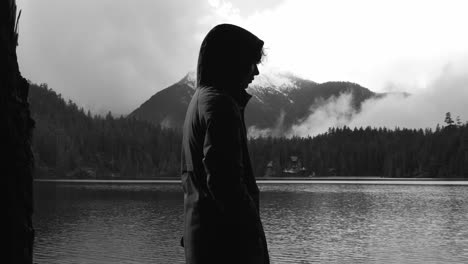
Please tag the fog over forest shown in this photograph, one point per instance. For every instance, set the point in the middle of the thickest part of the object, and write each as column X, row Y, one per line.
column 421, row 109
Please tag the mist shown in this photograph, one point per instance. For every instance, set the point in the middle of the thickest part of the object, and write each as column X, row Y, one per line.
column 277, row 131
column 423, row 108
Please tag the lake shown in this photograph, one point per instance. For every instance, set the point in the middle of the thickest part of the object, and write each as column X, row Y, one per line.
column 304, row 223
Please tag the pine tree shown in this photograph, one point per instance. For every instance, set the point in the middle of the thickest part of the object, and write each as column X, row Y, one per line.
column 448, row 119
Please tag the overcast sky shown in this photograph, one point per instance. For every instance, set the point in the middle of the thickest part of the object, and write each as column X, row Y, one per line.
column 114, row 54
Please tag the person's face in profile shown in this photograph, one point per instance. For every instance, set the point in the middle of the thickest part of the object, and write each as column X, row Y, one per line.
column 249, row 74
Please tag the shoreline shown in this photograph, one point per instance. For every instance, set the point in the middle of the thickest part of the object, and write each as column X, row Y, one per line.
column 315, row 180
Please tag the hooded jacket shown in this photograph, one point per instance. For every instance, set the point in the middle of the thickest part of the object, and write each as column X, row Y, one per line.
column 221, row 198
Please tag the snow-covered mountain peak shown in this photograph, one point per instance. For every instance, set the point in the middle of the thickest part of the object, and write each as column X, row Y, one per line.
column 268, row 80
column 279, row 81
column 190, row 79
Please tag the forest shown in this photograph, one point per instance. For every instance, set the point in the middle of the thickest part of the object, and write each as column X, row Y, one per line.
column 69, row 142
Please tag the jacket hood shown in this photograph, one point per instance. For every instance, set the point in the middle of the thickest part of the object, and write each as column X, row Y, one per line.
column 224, row 52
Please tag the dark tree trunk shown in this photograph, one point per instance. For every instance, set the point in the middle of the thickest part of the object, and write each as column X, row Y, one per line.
column 465, row 161
column 16, row 158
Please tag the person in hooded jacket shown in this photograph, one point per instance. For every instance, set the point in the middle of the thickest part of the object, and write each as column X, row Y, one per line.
column 221, row 198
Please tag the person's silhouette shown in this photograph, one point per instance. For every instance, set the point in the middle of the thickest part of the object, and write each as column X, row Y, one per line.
column 221, row 198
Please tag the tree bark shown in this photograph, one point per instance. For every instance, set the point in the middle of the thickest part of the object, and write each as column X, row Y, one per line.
column 465, row 162
column 15, row 147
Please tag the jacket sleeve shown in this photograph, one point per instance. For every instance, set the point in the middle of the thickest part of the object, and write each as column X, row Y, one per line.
column 223, row 161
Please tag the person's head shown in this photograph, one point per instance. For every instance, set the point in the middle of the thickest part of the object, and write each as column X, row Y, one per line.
column 228, row 57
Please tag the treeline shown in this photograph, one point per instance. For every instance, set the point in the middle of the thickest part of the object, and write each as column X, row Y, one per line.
column 371, row 152
column 71, row 143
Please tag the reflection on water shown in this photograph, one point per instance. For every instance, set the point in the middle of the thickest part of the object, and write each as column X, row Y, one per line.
column 308, row 223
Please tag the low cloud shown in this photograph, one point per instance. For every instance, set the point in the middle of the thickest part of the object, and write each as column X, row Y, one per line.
column 333, row 112
column 423, row 109
column 277, row 131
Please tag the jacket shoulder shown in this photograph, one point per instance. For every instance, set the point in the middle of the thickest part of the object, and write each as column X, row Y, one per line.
column 213, row 102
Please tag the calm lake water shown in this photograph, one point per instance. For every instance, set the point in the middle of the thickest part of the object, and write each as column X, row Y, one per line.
column 304, row 223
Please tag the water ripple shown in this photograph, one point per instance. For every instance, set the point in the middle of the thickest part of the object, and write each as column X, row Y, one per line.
column 326, row 223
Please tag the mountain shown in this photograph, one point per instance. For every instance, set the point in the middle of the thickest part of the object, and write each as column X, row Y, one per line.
column 279, row 100
column 167, row 107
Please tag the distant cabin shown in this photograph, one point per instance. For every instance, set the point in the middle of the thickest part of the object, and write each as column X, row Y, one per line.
column 294, row 168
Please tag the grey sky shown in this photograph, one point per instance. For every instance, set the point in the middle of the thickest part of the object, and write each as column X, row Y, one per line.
column 114, row 54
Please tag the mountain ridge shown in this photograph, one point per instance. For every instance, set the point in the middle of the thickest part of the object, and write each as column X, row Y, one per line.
column 275, row 96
